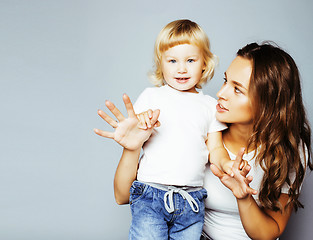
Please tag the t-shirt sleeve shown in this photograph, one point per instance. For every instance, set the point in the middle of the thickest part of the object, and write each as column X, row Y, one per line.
column 143, row 102
column 214, row 124
column 292, row 174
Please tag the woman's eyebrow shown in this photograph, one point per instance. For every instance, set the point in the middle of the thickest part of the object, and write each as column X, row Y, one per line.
column 239, row 84
column 235, row 82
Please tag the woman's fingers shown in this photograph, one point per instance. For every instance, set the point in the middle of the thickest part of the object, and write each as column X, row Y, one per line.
column 129, row 106
column 244, row 172
column 238, row 159
column 120, row 117
column 104, row 133
column 107, row 118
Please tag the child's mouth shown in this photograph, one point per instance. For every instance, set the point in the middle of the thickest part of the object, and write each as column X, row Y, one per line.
column 182, row 80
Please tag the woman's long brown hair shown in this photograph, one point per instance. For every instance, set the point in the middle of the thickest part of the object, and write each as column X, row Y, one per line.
column 281, row 130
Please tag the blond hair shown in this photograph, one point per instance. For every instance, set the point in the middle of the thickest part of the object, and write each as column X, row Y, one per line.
column 182, row 32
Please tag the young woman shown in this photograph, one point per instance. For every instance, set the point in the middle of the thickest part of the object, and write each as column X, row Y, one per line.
column 262, row 104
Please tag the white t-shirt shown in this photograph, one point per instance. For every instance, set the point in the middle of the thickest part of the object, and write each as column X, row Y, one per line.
column 176, row 153
column 222, row 219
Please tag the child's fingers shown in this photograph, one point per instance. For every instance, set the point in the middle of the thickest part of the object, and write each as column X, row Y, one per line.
column 142, row 121
column 216, row 171
column 155, row 116
column 147, row 118
column 150, row 112
column 129, row 106
column 104, row 133
column 228, row 170
column 157, row 124
column 107, row 118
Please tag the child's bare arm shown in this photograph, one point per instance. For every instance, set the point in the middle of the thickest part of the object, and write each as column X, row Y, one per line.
column 218, row 154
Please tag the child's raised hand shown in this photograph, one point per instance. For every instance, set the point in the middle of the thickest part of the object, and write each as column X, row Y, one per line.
column 239, row 183
column 146, row 119
column 126, row 133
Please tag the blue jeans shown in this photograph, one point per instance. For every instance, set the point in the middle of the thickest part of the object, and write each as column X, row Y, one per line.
column 152, row 220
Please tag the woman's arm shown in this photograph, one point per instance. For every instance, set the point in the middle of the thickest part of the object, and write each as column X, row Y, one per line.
column 263, row 223
column 126, row 173
column 258, row 223
column 128, row 134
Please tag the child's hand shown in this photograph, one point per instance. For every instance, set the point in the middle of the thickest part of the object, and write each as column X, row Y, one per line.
column 126, row 133
column 239, row 183
column 145, row 119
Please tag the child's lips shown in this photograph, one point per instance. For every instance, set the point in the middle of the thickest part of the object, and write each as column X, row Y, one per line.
column 182, row 80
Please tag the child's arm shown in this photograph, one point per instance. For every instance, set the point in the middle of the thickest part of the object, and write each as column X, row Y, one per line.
column 218, row 154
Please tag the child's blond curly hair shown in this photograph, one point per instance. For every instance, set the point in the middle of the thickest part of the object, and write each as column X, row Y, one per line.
column 183, row 32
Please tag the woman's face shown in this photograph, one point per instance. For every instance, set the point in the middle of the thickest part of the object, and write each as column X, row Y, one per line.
column 234, row 105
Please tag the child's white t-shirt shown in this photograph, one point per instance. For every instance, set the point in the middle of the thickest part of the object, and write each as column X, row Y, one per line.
column 176, row 153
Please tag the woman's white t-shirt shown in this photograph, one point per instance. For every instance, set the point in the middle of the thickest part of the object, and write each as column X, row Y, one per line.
column 222, row 219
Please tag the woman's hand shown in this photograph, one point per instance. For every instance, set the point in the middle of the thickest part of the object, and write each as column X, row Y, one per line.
column 127, row 132
column 238, row 183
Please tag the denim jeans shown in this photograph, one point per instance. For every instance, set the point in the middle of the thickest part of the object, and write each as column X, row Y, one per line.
column 151, row 220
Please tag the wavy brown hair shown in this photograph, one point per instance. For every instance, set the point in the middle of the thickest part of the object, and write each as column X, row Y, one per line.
column 281, row 130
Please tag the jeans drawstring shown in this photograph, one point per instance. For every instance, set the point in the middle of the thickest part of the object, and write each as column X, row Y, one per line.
column 168, row 197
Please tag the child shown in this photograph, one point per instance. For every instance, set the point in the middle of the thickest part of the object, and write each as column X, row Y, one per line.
column 167, row 198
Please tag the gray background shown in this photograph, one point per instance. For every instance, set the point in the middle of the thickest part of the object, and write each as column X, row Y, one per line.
column 61, row 59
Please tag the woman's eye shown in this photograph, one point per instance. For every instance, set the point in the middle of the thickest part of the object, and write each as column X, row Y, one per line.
column 225, row 80
column 172, row 61
column 237, row 90
column 190, row 60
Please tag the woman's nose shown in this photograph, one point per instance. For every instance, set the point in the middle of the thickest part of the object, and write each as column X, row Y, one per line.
column 222, row 92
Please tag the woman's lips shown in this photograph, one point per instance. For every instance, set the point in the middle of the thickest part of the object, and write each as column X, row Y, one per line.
column 220, row 108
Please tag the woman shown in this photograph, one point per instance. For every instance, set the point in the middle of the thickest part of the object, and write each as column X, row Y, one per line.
column 261, row 103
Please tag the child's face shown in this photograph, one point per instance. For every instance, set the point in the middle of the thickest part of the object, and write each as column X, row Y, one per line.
column 182, row 67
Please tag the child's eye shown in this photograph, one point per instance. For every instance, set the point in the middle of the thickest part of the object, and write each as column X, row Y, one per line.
column 190, row 60
column 172, row 61
column 225, row 80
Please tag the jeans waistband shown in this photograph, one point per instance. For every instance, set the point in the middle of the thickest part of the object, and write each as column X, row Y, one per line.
column 182, row 190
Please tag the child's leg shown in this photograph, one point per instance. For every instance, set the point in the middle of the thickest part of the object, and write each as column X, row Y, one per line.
column 188, row 223
column 147, row 213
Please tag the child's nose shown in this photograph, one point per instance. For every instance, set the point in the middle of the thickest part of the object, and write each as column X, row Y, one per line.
column 182, row 68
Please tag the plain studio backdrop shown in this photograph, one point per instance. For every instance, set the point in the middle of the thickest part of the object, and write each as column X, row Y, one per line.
column 61, row 59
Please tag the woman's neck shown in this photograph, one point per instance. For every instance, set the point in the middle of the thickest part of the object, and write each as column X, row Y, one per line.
column 237, row 136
